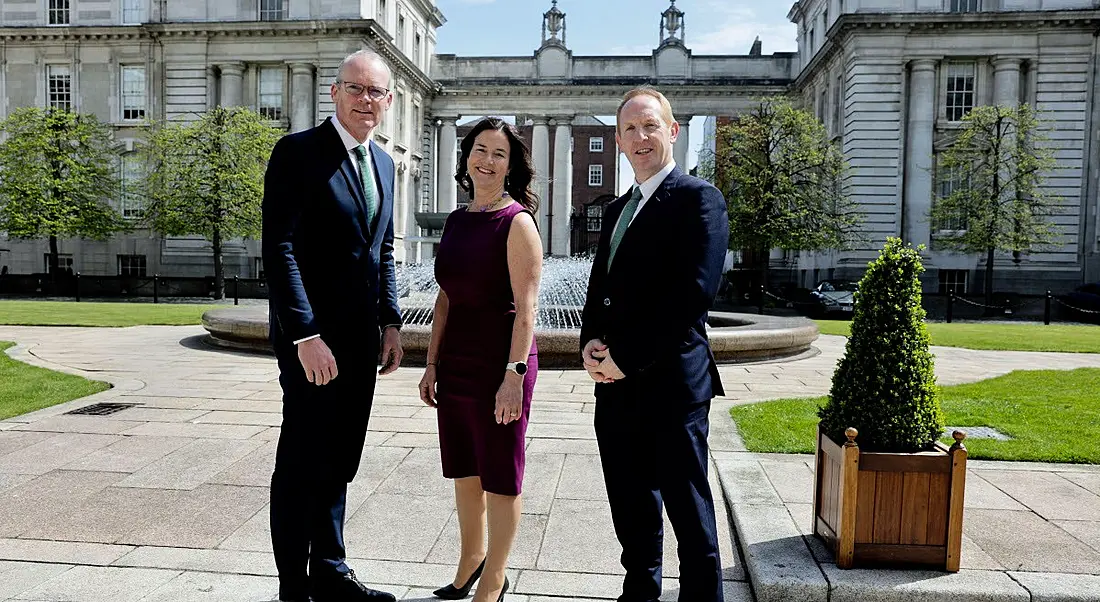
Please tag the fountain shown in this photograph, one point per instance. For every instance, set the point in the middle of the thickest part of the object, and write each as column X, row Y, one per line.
column 734, row 337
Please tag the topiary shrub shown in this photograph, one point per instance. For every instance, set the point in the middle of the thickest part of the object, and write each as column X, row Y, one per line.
column 885, row 386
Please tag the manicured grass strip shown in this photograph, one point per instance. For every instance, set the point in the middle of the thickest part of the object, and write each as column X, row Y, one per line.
column 1052, row 416
column 69, row 313
column 1070, row 338
column 25, row 388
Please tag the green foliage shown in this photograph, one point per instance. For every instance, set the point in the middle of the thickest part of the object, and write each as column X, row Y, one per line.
column 997, row 165
column 781, row 176
column 205, row 178
column 885, row 385
column 58, row 175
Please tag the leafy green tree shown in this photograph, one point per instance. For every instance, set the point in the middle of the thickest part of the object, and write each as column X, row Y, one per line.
column 885, row 385
column 995, row 170
column 781, row 175
column 205, row 178
column 58, row 176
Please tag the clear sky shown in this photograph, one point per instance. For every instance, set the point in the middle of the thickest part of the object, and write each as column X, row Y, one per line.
column 603, row 27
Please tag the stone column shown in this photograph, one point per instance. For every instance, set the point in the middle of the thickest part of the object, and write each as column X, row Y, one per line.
column 540, row 152
column 232, row 84
column 918, row 151
column 447, row 160
column 211, row 87
column 1006, row 81
column 303, row 92
column 563, row 186
column 680, row 148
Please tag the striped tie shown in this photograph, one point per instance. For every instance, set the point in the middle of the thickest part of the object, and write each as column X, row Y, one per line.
column 624, row 221
column 367, row 176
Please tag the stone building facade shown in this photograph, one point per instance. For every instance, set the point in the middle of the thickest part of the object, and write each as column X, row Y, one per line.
column 128, row 60
column 891, row 79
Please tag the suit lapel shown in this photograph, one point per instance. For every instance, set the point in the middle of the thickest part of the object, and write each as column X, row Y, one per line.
column 641, row 224
column 384, row 171
column 347, row 178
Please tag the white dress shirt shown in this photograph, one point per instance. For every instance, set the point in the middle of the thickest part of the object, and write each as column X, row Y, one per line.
column 650, row 186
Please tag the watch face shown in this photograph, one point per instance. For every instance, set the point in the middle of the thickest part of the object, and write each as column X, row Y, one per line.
column 521, row 368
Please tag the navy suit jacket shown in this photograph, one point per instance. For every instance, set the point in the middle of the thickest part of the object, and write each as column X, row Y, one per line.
column 651, row 306
column 329, row 272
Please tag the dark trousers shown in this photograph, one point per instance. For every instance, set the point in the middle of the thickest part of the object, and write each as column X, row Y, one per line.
column 655, row 457
column 320, row 445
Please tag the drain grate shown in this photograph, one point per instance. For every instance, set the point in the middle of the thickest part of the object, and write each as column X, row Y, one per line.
column 102, row 409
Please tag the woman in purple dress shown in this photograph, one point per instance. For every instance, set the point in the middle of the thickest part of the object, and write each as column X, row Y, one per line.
column 482, row 360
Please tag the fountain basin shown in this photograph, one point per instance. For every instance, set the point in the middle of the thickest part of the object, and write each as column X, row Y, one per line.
column 734, row 337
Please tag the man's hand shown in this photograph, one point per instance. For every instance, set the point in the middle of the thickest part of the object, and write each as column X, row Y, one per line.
column 607, row 366
column 593, row 354
column 317, row 361
column 391, row 350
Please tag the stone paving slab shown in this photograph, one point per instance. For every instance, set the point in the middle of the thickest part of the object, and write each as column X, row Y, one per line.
column 204, row 441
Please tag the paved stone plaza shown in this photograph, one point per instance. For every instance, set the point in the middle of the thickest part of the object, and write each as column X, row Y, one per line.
column 167, row 501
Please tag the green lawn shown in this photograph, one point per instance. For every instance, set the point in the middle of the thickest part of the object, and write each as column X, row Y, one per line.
column 1052, row 415
column 25, row 388
column 999, row 336
column 68, row 313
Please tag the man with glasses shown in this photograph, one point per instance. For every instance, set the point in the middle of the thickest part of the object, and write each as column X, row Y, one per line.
column 328, row 257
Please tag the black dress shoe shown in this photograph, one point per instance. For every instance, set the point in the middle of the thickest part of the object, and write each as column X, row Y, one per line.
column 450, row 592
column 346, row 588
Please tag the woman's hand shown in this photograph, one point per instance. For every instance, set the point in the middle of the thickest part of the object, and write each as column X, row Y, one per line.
column 509, row 398
column 427, row 386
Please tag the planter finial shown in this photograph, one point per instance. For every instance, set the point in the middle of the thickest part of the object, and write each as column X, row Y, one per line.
column 851, row 433
column 959, row 436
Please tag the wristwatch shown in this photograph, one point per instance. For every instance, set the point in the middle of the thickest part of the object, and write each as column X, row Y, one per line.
column 519, row 368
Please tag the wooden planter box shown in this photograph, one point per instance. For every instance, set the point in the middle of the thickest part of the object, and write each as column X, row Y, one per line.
column 896, row 509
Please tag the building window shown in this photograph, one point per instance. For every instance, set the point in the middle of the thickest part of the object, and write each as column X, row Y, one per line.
column 271, row 10
column 399, row 115
column 595, row 144
column 133, row 92
column 416, row 49
column 382, row 12
column 953, row 281
column 64, row 263
column 965, row 6
column 133, row 12
column 59, row 87
column 838, row 106
column 131, row 265
column 58, row 13
column 593, row 216
column 401, row 33
column 271, row 92
column 595, row 175
column 960, row 90
column 951, row 181
column 130, row 205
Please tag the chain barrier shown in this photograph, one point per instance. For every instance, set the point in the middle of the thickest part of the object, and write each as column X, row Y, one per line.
column 1082, row 310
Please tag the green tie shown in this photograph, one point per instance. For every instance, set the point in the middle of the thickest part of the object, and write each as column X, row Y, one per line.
column 624, row 221
column 367, row 176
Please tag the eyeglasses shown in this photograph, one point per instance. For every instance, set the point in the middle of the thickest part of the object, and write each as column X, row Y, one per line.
column 357, row 90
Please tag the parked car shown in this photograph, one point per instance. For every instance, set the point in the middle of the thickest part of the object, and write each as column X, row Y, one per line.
column 833, row 296
column 1084, row 301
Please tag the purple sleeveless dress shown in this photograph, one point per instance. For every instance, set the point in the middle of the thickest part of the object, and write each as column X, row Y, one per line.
column 472, row 269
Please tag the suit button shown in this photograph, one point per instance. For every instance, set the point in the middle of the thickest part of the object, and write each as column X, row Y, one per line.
column 607, row 301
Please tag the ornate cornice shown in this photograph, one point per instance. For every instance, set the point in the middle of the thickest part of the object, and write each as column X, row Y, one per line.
column 69, row 34
column 431, row 11
column 612, row 87
column 917, row 23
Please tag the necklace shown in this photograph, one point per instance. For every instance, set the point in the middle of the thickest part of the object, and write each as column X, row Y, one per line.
column 494, row 203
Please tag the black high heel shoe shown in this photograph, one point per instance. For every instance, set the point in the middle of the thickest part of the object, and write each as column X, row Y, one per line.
column 450, row 592
column 503, row 590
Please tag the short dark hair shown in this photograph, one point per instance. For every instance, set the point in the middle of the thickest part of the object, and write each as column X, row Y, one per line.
column 520, row 170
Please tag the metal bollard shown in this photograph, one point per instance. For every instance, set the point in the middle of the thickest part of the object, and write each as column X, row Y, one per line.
column 761, row 303
column 237, row 289
column 156, row 288
column 78, row 287
column 1046, row 310
column 950, row 305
